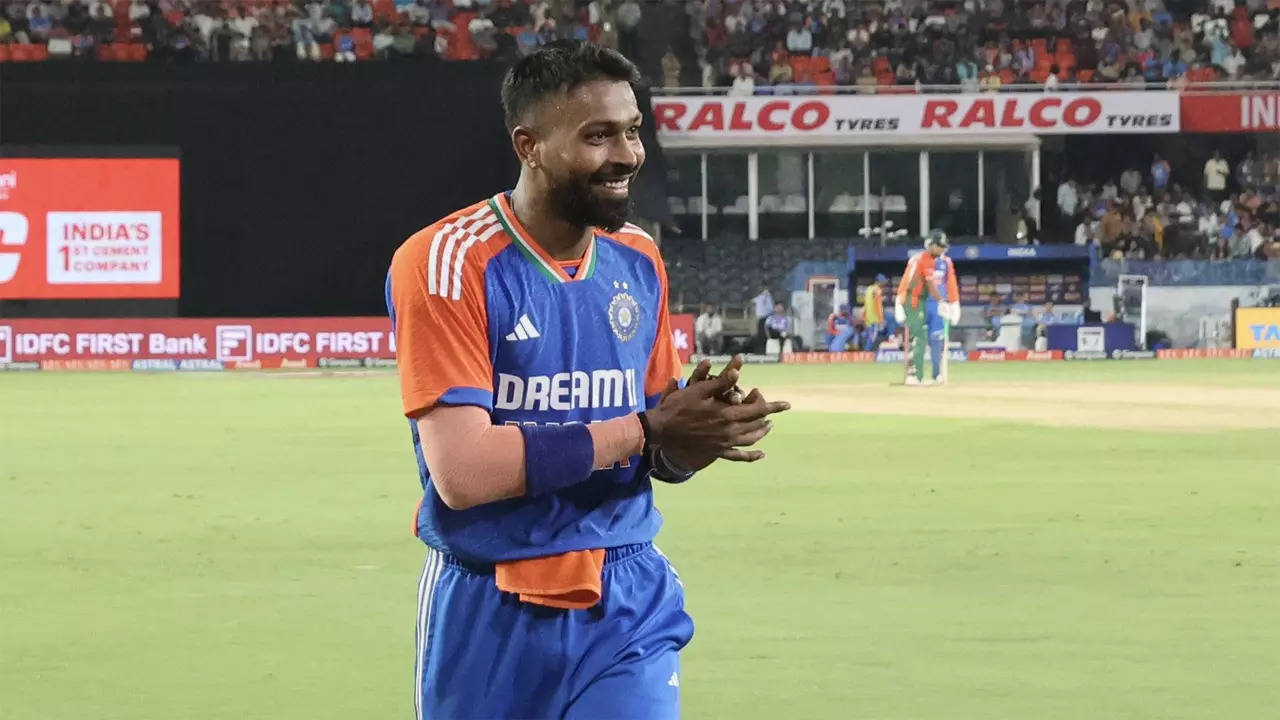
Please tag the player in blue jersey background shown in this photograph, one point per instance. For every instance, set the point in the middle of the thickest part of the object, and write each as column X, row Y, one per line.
column 542, row 387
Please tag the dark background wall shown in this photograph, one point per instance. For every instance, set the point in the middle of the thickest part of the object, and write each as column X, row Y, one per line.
column 298, row 181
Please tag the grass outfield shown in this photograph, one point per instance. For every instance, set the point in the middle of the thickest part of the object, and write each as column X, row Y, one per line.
column 237, row 546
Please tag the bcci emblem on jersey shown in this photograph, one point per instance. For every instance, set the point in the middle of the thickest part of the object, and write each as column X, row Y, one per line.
column 624, row 314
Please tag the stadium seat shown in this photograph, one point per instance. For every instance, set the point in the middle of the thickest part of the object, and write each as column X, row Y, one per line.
column 364, row 43
column 4, row 53
column 137, row 52
column 881, row 65
column 1085, row 75
column 1040, row 46
column 1063, row 45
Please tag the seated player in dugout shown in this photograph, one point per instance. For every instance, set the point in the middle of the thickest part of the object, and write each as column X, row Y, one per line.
column 543, row 392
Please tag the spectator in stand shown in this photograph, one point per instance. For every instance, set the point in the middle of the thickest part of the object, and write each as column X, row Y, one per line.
column 799, row 39
column 1044, row 319
column 779, row 326
column 362, row 13
column 762, row 303
column 628, row 28
column 1068, row 201
column 991, row 314
column 707, row 330
column 1216, row 172
column 1159, row 173
column 1111, row 225
column 744, row 85
column 1130, row 181
column 1086, row 231
column 1051, row 82
column 1109, row 191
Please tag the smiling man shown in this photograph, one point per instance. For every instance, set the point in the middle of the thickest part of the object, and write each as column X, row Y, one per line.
column 540, row 380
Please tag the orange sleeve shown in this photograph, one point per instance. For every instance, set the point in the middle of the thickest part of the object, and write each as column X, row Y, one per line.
column 664, row 361
column 442, row 338
column 907, row 276
column 953, row 285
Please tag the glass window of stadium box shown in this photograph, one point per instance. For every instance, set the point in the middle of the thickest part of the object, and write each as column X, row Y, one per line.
column 1006, row 184
column 953, row 194
column 895, row 193
column 840, row 207
column 727, row 202
column 684, row 192
column 784, row 194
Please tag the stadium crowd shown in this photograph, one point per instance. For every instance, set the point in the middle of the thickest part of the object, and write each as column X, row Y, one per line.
column 746, row 44
column 1234, row 213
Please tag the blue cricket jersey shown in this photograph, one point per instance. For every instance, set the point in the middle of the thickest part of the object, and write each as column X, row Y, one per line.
column 483, row 316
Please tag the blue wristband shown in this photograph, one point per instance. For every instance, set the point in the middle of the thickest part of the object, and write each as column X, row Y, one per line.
column 555, row 457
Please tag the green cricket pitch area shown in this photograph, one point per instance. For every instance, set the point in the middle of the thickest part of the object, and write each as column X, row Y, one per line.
column 1057, row 540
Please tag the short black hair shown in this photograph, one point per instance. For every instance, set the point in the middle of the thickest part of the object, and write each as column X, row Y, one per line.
column 559, row 67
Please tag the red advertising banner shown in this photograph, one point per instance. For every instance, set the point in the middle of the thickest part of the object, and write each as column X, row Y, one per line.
column 196, row 343
column 1231, row 112
column 88, row 228
column 1195, row 353
column 823, row 358
column 844, row 118
column 1014, row 355
column 682, row 335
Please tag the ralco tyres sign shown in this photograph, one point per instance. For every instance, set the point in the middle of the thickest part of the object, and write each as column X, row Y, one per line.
column 844, row 118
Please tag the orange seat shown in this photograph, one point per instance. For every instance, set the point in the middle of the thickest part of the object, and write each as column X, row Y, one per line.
column 137, row 52
column 880, row 64
column 820, row 64
column 420, row 31
column 328, row 50
column 1040, row 45
column 1085, row 76
column 1007, row 77
column 4, row 53
column 1063, row 45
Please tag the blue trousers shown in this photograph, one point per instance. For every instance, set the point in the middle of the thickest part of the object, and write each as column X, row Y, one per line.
column 840, row 341
column 482, row 653
column 869, row 335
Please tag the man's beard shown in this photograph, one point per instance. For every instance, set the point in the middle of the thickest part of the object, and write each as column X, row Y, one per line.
column 575, row 202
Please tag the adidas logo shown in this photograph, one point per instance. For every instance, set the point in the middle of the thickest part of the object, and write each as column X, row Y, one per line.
column 524, row 330
column 674, row 681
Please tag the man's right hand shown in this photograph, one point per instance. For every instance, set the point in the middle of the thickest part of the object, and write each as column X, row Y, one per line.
column 707, row 420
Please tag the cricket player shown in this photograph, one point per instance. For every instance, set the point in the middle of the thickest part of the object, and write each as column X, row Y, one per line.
column 927, row 298
column 840, row 329
column 873, row 312
column 539, row 376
